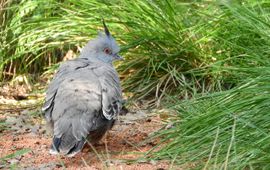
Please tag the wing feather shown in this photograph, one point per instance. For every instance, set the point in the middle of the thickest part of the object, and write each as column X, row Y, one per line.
column 111, row 91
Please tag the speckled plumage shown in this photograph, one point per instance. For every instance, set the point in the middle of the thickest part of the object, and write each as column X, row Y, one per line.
column 84, row 97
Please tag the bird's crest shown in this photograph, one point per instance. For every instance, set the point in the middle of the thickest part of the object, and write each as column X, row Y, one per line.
column 104, row 42
column 106, row 30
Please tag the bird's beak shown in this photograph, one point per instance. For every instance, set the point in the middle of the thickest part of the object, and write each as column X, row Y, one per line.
column 118, row 57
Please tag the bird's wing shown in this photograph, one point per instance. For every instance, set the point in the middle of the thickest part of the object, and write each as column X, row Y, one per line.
column 63, row 72
column 111, row 91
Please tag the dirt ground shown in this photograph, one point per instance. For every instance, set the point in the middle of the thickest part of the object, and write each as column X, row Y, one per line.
column 117, row 150
column 25, row 142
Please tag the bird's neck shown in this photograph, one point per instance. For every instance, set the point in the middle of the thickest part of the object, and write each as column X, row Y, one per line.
column 96, row 58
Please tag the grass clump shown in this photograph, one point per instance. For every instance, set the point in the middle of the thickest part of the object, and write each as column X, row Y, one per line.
column 225, row 130
column 228, row 129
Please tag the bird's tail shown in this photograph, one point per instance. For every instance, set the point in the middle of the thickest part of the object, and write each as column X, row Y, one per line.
column 67, row 144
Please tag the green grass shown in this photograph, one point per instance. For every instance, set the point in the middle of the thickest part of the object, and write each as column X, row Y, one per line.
column 169, row 46
column 223, row 130
column 228, row 129
column 165, row 43
column 13, row 156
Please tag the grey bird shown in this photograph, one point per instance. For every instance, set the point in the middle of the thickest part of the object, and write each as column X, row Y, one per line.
column 84, row 97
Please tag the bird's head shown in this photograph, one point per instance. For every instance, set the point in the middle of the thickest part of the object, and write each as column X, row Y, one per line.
column 103, row 48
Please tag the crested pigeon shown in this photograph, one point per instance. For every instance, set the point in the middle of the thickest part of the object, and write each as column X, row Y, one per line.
column 84, row 97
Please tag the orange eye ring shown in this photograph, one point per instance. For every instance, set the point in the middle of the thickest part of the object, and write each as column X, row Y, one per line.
column 107, row 51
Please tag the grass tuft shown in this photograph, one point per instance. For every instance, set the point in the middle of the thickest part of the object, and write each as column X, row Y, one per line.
column 228, row 129
column 225, row 130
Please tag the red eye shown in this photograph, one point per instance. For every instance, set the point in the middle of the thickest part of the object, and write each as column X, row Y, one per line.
column 107, row 51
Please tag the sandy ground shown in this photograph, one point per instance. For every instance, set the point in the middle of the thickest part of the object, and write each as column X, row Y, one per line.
column 119, row 149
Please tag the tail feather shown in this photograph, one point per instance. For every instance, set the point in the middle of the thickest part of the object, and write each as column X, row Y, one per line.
column 77, row 148
column 55, row 144
column 67, row 144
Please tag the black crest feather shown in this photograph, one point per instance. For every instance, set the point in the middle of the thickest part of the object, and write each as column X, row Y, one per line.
column 106, row 30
